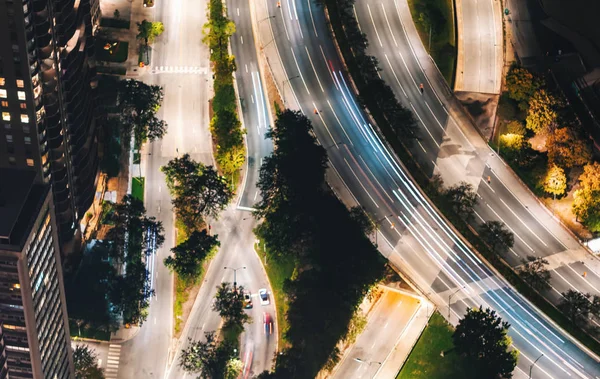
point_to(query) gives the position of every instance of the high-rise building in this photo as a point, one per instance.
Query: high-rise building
(34, 330)
(47, 108)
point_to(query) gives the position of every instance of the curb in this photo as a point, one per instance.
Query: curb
(272, 297)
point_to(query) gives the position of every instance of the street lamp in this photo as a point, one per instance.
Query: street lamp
(367, 362)
(450, 297)
(234, 273)
(283, 86)
(336, 144)
(533, 364)
(377, 223)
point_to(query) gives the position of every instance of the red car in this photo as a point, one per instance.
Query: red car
(268, 323)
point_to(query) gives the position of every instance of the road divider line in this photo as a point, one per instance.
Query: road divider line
(339, 122)
(326, 127)
(395, 76)
(524, 224)
(388, 24)
(359, 182)
(511, 229)
(374, 177)
(374, 26)
(426, 128)
(299, 71)
(313, 67)
(407, 70)
(312, 19)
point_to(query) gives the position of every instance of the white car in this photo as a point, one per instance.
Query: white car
(264, 296)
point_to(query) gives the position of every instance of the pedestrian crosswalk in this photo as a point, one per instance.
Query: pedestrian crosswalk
(179, 70)
(112, 362)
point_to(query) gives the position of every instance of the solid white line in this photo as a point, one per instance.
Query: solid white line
(326, 127)
(295, 11)
(389, 26)
(419, 142)
(407, 70)
(356, 17)
(299, 71)
(374, 177)
(289, 9)
(436, 119)
(374, 26)
(583, 278)
(242, 39)
(487, 184)
(524, 224)
(328, 68)
(313, 67)
(339, 122)
(246, 208)
(311, 17)
(284, 24)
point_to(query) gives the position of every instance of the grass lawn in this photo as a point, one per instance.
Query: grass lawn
(437, 16)
(137, 187)
(425, 361)
(119, 51)
(278, 272)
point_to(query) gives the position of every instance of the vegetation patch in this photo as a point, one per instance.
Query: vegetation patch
(434, 20)
(137, 187)
(111, 51)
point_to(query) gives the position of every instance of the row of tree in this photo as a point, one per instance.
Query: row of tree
(225, 125)
(304, 223)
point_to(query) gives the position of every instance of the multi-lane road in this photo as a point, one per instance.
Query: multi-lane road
(418, 239)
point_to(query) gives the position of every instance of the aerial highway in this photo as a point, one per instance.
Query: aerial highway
(416, 237)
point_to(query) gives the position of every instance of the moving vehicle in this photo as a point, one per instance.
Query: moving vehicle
(264, 296)
(268, 323)
(247, 300)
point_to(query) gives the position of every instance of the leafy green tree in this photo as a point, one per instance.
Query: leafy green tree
(209, 358)
(516, 127)
(497, 236)
(360, 216)
(555, 182)
(576, 306)
(130, 293)
(586, 206)
(521, 85)
(481, 337)
(462, 198)
(229, 302)
(137, 104)
(148, 31)
(542, 115)
(567, 149)
(590, 178)
(189, 255)
(197, 190)
(232, 160)
(86, 363)
(534, 272)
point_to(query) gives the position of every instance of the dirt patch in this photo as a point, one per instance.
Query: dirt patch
(272, 91)
(482, 109)
(186, 307)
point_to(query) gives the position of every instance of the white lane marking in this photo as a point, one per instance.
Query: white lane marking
(426, 128)
(487, 184)
(246, 68)
(395, 76)
(407, 70)
(389, 26)
(374, 177)
(299, 71)
(238, 12)
(326, 127)
(313, 67)
(339, 122)
(359, 182)
(374, 26)
(311, 17)
(583, 278)
(524, 224)
(242, 39)
(419, 142)
(436, 119)
(509, 228)
(295, 11)
(356, 17)
(329, 68)
(289, 10)
(252, 98)
(284, 24)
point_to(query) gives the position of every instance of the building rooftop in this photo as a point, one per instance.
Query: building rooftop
(20, 198)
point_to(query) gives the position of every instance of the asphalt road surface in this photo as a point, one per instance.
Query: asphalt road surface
(417, 238)
(386, 324)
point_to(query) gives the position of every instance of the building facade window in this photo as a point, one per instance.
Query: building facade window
(23, 106)
(21, 95)
(3, 93)
(29, 162)
(20, 83)
(27, 140)
(2, 81)
(24, 119)
(4, 103)
(12, 160)
(9, 138)
(6, 116)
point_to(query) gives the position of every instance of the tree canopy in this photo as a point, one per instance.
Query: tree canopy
(462, 198)
(497, 236)
(86, 363)
(521, 85)
(189, 255)
(567, 149)
(586, 203)
(230, 305)
(577, 306)
(542, 115)
(534, 272)
(137, 105)
(555, 181)
(149, 30)
(482, 337)
(211, 359)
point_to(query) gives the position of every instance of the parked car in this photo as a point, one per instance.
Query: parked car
(268, 323)
(264, 296)
(247, 300)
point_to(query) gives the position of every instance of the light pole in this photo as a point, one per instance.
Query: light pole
(533, 364)
(377, 223)
(288, 81)
(450, 298)
(336, 144)
(367, 362)
(234, 273)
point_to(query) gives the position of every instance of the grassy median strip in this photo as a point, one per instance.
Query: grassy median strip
(434, 20)
(425, 360)
(277, 271)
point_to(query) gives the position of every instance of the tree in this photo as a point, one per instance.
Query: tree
(362, 219)
(481, 336)
(229, 303)
(541, 116)
(555, 182)
(567, 149)
(534, 272)
(586, 203)
(210, 358)
(497, 236)
(190, 254)
(590, 178)
(521, 85)
(137, 104)
(462, 198)
(149, 30)
(130, 293)
(86, 363)
(516, 127)
(576, 306)
(197, 190)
